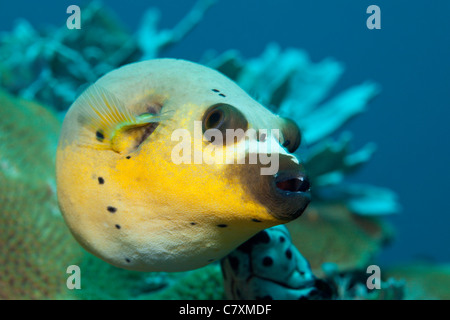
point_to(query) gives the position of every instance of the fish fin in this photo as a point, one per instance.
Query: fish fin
(107, 118)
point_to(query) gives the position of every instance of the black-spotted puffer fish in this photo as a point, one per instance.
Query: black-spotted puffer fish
(133, 195)
(269, 267)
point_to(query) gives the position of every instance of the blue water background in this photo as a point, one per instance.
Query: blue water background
(409, 57)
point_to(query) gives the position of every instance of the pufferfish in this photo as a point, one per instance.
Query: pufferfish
(128, 202)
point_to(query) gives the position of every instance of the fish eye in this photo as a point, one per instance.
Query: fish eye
(222, 117)
(214, 119)
(292, 135)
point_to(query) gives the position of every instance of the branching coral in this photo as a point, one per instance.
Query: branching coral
(50, 66)
(152, 41)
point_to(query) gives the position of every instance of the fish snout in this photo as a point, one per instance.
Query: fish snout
(290, 187)
(285, 193)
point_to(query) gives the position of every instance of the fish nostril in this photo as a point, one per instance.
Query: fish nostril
(292, 135)
(286, 143)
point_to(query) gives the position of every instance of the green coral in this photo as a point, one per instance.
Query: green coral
(202, 284)
(102, 281)
(35, 245)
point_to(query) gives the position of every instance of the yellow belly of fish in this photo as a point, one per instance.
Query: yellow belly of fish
(146, 213)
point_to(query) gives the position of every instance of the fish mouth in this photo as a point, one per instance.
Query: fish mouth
(285, 194)
(291, 189)
(292, 184)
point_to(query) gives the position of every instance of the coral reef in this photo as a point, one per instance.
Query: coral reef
(344, 225)
(202, 284)
(51, 65)
(35, 245)
(351, 285)
(332, 233)
(101, 281)
(427, 281)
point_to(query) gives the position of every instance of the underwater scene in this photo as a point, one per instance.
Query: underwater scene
(224, 150)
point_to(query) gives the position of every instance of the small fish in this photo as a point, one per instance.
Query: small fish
(108, 118)
(125, 198)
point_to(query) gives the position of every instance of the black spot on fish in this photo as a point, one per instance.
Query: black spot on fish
(267, 261)
(117, 226)
(222, 95)
(127, 260)
(262, 137)
(193, 223)
(99, 135)
(288, 254)
(282, 239)
(128, 157)
(215, 90)
(222, 225)
(111, 209)
(256, 220)
(101, 180)
(260, 237)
